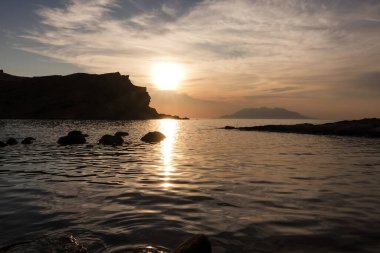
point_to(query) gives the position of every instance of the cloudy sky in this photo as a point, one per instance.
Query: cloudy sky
(317, 57)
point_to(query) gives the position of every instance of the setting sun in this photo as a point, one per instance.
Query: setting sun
(166, 76)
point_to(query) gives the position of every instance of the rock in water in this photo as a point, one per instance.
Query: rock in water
(12, 141)
(111, 140)
(195, 244)
(28, 140)
(2, 144)
(77, 133)
(121, 133)
(73, 137)
(153, 137)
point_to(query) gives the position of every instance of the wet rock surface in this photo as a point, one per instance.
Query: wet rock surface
(153, 137)
(195, 244)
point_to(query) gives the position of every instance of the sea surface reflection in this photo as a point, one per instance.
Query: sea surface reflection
(169, 128)
(248, 191)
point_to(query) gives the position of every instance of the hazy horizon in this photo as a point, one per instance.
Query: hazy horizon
(319, 58)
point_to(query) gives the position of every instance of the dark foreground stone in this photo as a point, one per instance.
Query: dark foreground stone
(195, 244)
(48, 244)
(12, 141)
(73, 137)
(153, 137)
(28, 140)
(360, 128)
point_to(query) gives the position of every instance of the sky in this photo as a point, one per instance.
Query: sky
(320, 58)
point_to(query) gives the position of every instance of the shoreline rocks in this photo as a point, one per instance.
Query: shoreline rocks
(359, 128)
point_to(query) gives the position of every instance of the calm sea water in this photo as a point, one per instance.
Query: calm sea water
(248, 191)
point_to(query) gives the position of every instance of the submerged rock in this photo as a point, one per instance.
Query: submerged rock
(195, 244)
(12, 141)
(229, 127)
(28, 140)
(2, 144)
(73, 137)
(153, 137)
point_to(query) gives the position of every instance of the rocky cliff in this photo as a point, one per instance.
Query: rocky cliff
(77, 96)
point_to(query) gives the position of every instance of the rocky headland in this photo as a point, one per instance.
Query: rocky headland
(361, 128)
(110, 96)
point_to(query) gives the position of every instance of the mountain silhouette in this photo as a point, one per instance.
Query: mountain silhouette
(264, 113)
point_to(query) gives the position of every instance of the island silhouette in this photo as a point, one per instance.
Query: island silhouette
(264, 113)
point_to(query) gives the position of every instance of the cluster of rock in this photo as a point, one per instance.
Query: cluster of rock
(12, 141)
(77, 137)
(360, 128)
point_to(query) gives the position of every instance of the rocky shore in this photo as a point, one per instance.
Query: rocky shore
(109, 96)
(360, 128)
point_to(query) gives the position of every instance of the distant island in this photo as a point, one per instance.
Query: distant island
(264, 113)
(110, 96)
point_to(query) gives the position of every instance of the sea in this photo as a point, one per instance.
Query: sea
(246, 191)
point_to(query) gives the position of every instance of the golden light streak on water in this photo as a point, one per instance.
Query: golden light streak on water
(169, 128)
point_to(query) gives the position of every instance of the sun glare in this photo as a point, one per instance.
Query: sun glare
(166, 76)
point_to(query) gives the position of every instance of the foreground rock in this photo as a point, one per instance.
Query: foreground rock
(153, 137)
(48, 244)
(12, 141)
(196, 244)
(361, 128)
(28, 140)
(73, 137)
(109, 96)
(113, 140)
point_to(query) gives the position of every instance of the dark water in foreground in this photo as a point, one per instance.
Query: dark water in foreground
(248, 191)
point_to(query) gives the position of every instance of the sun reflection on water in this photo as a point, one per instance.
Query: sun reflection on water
(169, 128)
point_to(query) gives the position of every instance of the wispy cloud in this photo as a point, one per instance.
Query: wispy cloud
(242, 47)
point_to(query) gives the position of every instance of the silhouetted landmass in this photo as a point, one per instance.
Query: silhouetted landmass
(78, 96)
(361, 128)
(264, 113)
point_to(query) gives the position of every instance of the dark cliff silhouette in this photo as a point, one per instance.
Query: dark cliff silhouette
(264, 113)
(360, 128)
(78, 96)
